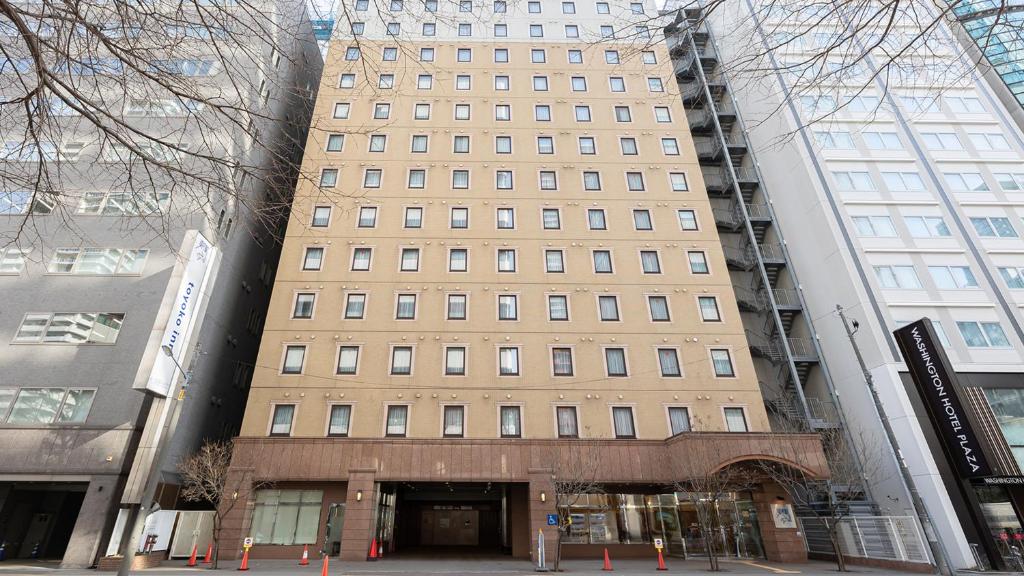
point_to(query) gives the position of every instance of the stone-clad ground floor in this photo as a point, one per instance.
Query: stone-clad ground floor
(452, 496)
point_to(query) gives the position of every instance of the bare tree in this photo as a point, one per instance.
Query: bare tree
(574, 477)
(204, 479)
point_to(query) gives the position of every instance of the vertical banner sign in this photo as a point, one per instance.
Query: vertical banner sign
(182, 317)
(936, 382)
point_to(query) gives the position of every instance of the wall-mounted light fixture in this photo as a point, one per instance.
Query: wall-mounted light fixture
(543, 497)
(359, 495)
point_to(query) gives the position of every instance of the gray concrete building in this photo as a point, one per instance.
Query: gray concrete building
(95, 277)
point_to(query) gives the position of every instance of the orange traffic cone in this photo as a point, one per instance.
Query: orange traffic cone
(661, 561)
(192, 558)
(607, 562)
(208, 559)
(245, 560)
(380, 550)
(373, 551)
(324, 571)
(305, 555)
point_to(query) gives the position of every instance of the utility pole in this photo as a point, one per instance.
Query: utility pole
(136, 522)
(938, 550)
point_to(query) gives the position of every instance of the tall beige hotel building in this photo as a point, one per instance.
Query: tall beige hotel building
(506, 277)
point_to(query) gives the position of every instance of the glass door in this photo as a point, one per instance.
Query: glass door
(332, 535)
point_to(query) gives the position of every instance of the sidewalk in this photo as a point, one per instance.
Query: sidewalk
(422, 567)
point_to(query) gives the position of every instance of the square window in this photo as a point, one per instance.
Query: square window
(540, 83)
(347, 81)
(548, 180)
(607, 32)
(628, 146)
(464, 55)
(587, 145)
(533, 7)
(394, 28)
(465, 5)
(424, 82)
(649, 57)
(572, 31)
(362, 5)
(536, 31)
(430, 5)
(419, 143)
(698, 263)
(508, 307)
(417, 178)
(622, 114)
(596, 219)
(413, 217)
(422, 112)
(554, 261)
(294, 356)
(462, 111)
(426, 54)
(341, 110)
(602, 8)
(501, 83)
(351, 53)
(355, 305)
(582, 113)
(642, 220)
(465, 29)
(575, 57)
(381, 111)
(622, 417)
(537, 56)
(670, 146)
(658, 306)
(462, 82)
(636, 7)
(390, 54)
(558, 307)
(396, 5)
(500, 7)
(678, 181)
(341, 416)
(313, 259)
(542, 113)
(459, 218)
(591, 180)
(367, 217)
(503, 179)
(460, 144)
(410, 260)
(616, 84)
(386, 81)
(506, 218)
(687, 219)
(503, 144)
(545, 145)
(568, 7)
(361, 259)
(405, 307)
(456, 308)
(501, 55)
(281, 424)
(579, 84)
(460, 179)
(662, 114)
(500, 30)
(329, 177)
(611, 56)
(429, 28)
(655, 85)
(348, 360)
(335, 142)
(458, 260)
(378, 142)
(502, 112)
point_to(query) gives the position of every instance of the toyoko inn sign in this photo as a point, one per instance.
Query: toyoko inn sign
(936, 382)
(182, 318)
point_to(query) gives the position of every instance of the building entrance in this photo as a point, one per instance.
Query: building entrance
(37, 518)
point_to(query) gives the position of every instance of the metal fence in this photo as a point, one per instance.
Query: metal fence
(882, 537)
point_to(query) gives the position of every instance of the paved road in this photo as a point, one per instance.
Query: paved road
(430, 567)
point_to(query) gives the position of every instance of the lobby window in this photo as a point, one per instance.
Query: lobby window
(554, 261)
(687, 219)
(551, 218)
(361, 259)
(508, 307)
(458, 260)
(454, 421)
(455, 361)
(281, 425)
(341, 416)
(460, 144)
(561, 361)
(622, 417)
(642, 220)
(708, 306)
(348, 359)
(456, 307)
(658, 305)
(596, 219)
(506, 218)
(558, 308)
(568, 425)
(413, 217)
(303, 305)
(401, 361)
(410, 260)
(649, 262)
(355, 306)
(286, 517)
(615, 362)
(983, 334)
(698, 262)
(321, 216)
(678, 419)
(608, 307)
(1008, 407)
(735, 420)
(294, 357)
(397, 421)
(508, 361)
(506, 260)
(668, 363)
(405, 307)
(511, 422)
(602, 261)
(46, 405)
(367, 217)
(721, 361)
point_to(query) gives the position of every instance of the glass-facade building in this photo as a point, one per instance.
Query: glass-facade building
(996, 27)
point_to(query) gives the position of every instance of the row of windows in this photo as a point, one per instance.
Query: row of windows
(457, 304)
(945, 277)
(540, 83)
(911, 181)
(500, 30)
(510, 420)
(69, 328)
(91, 203)
(503, 179)
(888, 140)
(506, 260)
(975, 333)
(460, 144)
(820, 105)
(505, 218)
(80, 261)
(933, 226)
(502, 112)
(497, 6)
(28, 406)
(500, 55)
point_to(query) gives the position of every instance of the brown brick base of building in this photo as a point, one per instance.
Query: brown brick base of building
(140, 562)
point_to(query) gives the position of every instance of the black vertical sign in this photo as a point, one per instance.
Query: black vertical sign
(936, 382)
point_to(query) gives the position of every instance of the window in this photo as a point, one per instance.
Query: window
(401, 360)
(591, 180)
(622, 114)
(989, 141)
(424, 82)
(558, 307)
(649, 57)
(1014, 277)
(607, 32)
(545, 145)
(503, 179)
(698, 262)
(352, 53)
(458, 260)
(568, 425)
(964, 104)
(500, 7)
(649, 262)
(455, 361)
(735, 420)
(561, 359)
(678, 419)
(540, 83)
(460, 144)
(46, 405)
(355, 305)
(362, 5)
(1007, 406)
(993, 227)
(596, 219)
(410, 260)
(286, 516)
(501, 83)
(303, 305)
(602, 262)
(281, 425)
(721, 362)
(386, 81)
(462, 111)
(941, 141)
(506, 260)
(511, 422)
(983, 334)
(903, 181)
(329, 177)
(454, 421)
(876, 226)
(966, 182)
(678, 181)
(636, 7)
(426, 54)
(348, 359)
(390, 54)
(338, 425)
(502, 144)
(347, 81)
(628, 146)
(587, 145)
(578, 83)
(687, 219)
(501, 55)
(460, 179)
(582, 113)
(456, 307)
(335, 142)
(506, 218)
(575, 56)
(463, 82)
(293, 359)
(80, 261)
(422, 112)
(460, 218)
(413, 217)
(508, 361)
(465, 29)
(429, 28)
(897, 277)
(668, 362)
(551, 218)
(378, 142)
(502, 112)
(341, 110)
(926, 226)
(538, 56)
(953, 277)
(608, 308)
(1010, 182)
(602, 8)
(508, 307)
(670, 147)
(419, 143)
(321, 216)
(398, 418)
(857, 181)
(361, 259)
(642, 220)
(655, 85)
(622, 418)
(367, 217)
(880, 140)
(572, 31)
(554, 261)
(464, 55)
(616, 84)
(658, 306)
(542, 113)
(500, 30)
(405, 308)
(536, 31)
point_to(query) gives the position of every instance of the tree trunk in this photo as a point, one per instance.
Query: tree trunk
(558, 549)
(833, 535)
(216, 541)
